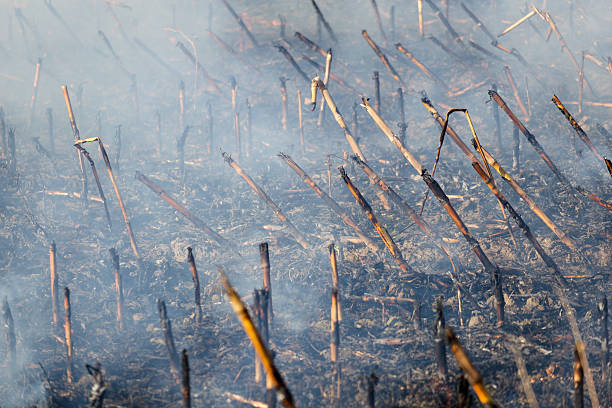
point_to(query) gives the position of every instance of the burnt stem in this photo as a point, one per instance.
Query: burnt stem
(440, 345)
(185, 381)
(383, 58)
(211, 81)
(9, 334)
(378, 19)
(98, 184)
(233, 52)
(322, 19)
(98, 388)
(196, 285)
(294, 64)
(515, 92)
(68, 334)
(241, 24)
(446, 24)
(372, 381)
(118, 286)
(384, 234)
(264, 255)
(376, 80)
(166, 328)
(498, 134)
(516, 150)
(76, 135)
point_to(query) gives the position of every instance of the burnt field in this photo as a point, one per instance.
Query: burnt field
(387, 187)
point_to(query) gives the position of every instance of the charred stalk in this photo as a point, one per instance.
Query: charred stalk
(310, 44)
(98, 388)
(378, 20)
(232, 51)
(472, 374)
(420, 65)
(498, 132)
(294, 64)
(222, 242)
(445, 22)
(343, 214)
(68, 334)
(579, 131)
(166, 327)
(336, 79)
(603, 319)
(322, 19)
(516, 144)
(265, 271)
(76, 135)
(384, 235)
(185, 382)
(578, 380)
(383, 58)
(118, 286)
(372, 381)
(212, 82)
(517, 97)
(376, 79)
(276, 381)
(241, 24)
(95, 174)
(297, 235)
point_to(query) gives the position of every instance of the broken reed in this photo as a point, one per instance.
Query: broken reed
(196, 285)
(264, 256)
(95, 173)
(222, 242)
(118, 286)
(502, 172)
(54, 286)
(384, 234)
(297, 234)
(166, 327)
(342, 213)
(273, 375)
(432, 184)
(472, 374)
(68, 334)
(76, 135)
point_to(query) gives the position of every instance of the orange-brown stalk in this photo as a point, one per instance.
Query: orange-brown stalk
(53, 273)
(276, 380)
(382, 231)
(383, 58)
(76, 135)
(95, 173)
(297, 235)
(473, 375)
(515, 92)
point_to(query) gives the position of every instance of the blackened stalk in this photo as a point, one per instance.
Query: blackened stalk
(233, 51)
(291, 60)
(241, 23)
(166, 327)
(196, 285)
(312, 45)
(324, 21)
(603, 318)
(54, 286)
(342, 213)
(579, 131)
(284, 107)
(383, 58)
(211, 81)
(378, 20)
(95, 174)
(185, 381)
(118, 286)
(439, 338)
(222, 242)
(495, 109)
(68, 334)
(445, 22)
(515, 92)
(9, 325)
(420, 65)
(264, 255)
(297, 235)
(98, 388)
(376, 79)
(381, 230)
(372, 380)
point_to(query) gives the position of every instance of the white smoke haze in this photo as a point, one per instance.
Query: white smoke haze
(135, 85)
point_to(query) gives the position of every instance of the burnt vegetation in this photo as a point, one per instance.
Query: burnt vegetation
(305, 203)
